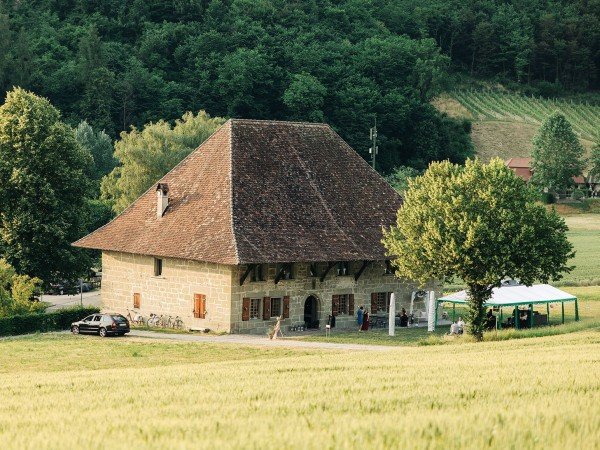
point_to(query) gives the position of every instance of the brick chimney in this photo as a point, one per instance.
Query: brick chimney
(162, 199)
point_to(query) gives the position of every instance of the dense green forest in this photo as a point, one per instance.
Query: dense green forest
(130, 62)
(135, 85)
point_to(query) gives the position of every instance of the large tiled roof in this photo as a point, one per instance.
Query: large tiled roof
(257, 192)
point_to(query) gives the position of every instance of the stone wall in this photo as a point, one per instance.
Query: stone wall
(303, 285)
(172, 293)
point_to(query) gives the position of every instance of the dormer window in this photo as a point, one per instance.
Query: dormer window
(257, 274)
(388, 268)
(285, 271)
(343, 268)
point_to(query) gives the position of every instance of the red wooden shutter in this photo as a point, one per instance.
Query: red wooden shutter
(137, 300)
(245, 308)
(266, 308)
(351, 304)
(335, 305)
(200, 306)
(196, 306)
(286, 307)
(373, 302)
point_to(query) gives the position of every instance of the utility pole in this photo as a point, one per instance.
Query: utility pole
(373, 136)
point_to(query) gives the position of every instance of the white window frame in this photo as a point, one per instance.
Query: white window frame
(258, 308)
(279, 312)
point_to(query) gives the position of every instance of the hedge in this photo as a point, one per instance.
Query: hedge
(54, 321)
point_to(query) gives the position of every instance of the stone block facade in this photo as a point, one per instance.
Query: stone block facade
(303, 285)
(172, 292)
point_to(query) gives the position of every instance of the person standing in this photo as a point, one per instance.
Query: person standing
(365, 325)
(360, 317)
(403, 318)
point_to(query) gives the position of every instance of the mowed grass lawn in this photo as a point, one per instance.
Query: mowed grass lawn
(589, 314)
(62, 391)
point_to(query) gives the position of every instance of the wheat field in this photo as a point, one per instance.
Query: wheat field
(61, 391)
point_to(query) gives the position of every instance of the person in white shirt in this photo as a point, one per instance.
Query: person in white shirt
(454, 328)
(461, 325)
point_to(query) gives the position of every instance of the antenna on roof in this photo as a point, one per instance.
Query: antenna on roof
(374, 149)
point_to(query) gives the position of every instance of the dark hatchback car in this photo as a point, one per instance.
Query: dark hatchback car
(102, 324)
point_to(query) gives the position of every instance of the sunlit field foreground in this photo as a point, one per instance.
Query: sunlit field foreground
(60, 391)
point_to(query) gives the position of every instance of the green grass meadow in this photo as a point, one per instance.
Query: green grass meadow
(584, 234)
(519, 389)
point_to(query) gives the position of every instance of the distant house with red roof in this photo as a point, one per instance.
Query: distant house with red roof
(522, 167)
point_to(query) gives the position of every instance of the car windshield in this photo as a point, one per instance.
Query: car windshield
(119, 319)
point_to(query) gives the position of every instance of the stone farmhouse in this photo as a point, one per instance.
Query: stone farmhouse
(264, 219)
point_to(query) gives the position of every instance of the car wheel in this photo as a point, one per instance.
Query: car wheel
(75, 329)
(102, 332)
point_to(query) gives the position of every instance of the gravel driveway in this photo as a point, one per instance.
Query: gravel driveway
(259, 341)
(66, 301)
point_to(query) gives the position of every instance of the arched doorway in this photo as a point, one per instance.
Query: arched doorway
(311, 312)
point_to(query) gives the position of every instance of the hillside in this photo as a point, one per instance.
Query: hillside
(504, 123)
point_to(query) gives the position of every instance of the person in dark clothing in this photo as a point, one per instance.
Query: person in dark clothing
(490, 320)
(403, 318)
(331, 321)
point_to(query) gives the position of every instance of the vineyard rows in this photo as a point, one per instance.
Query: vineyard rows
(503, 106)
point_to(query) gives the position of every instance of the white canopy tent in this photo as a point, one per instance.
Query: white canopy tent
(519, 295)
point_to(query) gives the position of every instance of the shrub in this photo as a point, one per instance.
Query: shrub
(578, 194)
(548, 198)
(32, 323)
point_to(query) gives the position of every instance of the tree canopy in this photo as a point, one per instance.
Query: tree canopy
(595, 160)
(479, 223)
(16, 292)
(557, 155)
(100, 146)
(42, 168)
(123, 64)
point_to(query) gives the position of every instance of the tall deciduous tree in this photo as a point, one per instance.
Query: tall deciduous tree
(100, 146)
(480, 223)
(595, 161)
(557, 155)
(146, 155)
(42, 172)
(305, 98)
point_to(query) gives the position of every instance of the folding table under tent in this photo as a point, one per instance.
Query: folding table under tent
(516, 296)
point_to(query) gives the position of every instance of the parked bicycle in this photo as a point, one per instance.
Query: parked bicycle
(154, 320)
(178, 323)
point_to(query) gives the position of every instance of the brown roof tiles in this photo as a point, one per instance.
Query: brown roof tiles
(257, 192)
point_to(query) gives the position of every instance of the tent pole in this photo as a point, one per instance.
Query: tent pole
(531, 315)
(516, 317)
(576, 311)
(500, 322)
(547, 313)
(562, 304)
(453, 312)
